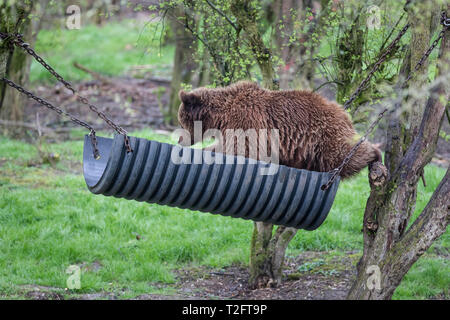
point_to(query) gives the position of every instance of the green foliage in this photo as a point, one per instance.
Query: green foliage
(222, 46)
(428, 278)
(351, 47)
(444, 135)
(231, 57)
(308, 266)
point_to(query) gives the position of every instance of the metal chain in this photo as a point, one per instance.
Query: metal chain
(17, 40)
(445, 25)
(374, 69)
(445, 21)
(57, 110)
(337, 171)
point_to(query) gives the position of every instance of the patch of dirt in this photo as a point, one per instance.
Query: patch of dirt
(164, 297)
(308, 276)
(129, 102)
(36, 292)
(321, 277)
(43, 295)
(441, 296)
(98, 296)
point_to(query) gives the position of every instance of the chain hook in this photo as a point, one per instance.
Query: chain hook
(445, 21)
(94, 144)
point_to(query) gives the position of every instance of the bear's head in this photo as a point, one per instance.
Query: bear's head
(216, 108)
(196, 105)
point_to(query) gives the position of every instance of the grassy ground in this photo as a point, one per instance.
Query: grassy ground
(49, 221)
(110, 50)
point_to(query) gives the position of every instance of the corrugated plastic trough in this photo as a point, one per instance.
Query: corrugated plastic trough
(189, 178)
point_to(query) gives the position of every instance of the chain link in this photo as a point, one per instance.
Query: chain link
(445, 21)
(335, 172)
(425, 55)
(17, 40)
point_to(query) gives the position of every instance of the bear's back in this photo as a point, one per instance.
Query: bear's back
(300, 109)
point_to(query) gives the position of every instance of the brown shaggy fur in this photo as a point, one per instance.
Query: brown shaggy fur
(315, 134)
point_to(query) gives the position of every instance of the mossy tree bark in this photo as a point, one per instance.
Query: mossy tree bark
(267, 250)
(267, 253)
(184, 64)
(390, 248)
(246, 16)
(14, 63)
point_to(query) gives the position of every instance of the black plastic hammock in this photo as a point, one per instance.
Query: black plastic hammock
(231, 185)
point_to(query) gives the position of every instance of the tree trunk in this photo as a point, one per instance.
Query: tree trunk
(284, 30)
(420, 20)
(267, 250)
(299, 67)
(267, 254)
(14, 63)
(390, 249)
(184, 64)
(204, 75)
(246, 15)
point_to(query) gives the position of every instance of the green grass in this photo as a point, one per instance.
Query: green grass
(429, 277)
(110, 50)
(49, 221)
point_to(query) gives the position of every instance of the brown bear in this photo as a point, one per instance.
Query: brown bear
(315, 133)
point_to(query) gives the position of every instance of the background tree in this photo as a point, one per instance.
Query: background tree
(298, 27)
(184, 65)
(390, 246)
(358, 36)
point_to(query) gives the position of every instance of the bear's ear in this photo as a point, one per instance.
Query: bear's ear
(190, 100)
